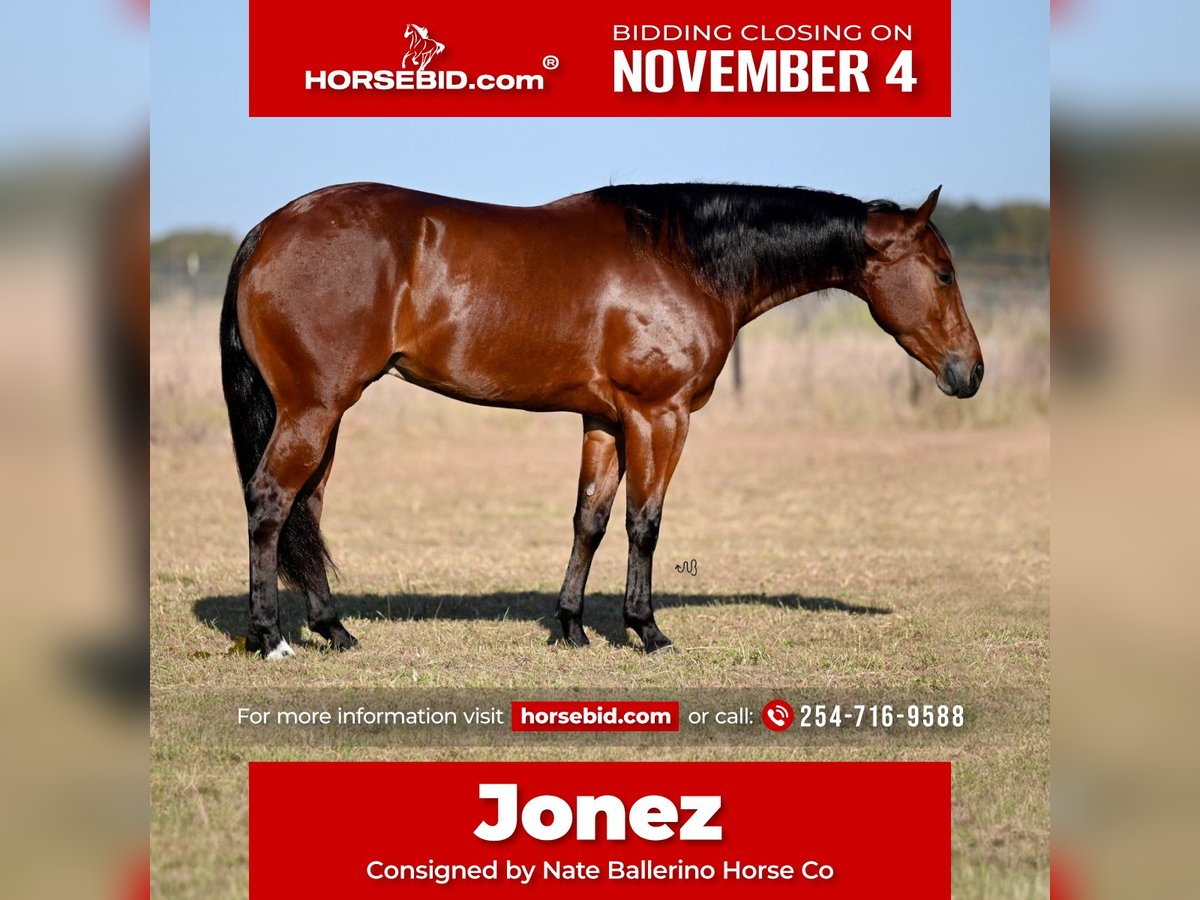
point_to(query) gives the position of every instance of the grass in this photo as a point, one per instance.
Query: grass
(904, 555)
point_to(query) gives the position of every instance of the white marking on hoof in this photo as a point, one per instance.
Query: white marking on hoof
(283, 651)
(591, 489)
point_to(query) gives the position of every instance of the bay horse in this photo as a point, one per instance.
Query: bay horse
(619, 304)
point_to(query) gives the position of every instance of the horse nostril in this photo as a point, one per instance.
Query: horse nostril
(977, 375)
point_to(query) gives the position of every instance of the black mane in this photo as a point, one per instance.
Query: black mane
(738, 238)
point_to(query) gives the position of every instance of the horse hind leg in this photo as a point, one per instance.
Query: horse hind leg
(285, 541)
(322, 611)
(600, 474)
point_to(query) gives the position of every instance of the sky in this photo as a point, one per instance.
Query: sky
(1116, 62)
(75, 75)
(214, 167)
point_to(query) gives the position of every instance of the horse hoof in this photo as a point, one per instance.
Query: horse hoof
(573, 636)
(342, 640)
(282, 651)
(334, 632)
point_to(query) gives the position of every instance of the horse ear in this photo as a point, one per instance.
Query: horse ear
(885, 232)
(890, 233)
(927, 208)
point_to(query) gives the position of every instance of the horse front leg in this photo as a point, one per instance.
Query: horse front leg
(654, 440)
(600, 474)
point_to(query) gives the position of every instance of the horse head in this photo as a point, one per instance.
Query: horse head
(912, 290)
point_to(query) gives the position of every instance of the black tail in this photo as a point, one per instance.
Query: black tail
(302, 555)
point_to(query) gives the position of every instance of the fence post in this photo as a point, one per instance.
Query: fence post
(737, 367)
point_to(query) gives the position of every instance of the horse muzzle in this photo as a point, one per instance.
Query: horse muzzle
(960, 378)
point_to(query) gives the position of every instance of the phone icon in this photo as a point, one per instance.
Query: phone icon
(778, 715)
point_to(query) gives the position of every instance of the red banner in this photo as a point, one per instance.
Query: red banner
(700, 58)
(695, 830)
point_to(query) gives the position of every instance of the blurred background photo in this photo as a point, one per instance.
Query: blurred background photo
(451, 523)
(1126, 179)
(74, 265)
(74, 207)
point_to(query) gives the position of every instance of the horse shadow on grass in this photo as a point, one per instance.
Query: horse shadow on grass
(229, 613)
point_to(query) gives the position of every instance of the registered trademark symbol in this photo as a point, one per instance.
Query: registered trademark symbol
(550, 62)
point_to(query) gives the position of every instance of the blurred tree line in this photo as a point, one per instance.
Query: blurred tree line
(1015, 235)
(191, 265)
(1012, 239)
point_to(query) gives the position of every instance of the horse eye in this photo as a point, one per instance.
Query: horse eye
(945, 277)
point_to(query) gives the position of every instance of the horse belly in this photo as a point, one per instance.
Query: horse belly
(485, 360)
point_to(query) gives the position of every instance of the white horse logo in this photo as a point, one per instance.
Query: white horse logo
(421, 47)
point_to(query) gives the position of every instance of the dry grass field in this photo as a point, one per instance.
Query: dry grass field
(857, 536)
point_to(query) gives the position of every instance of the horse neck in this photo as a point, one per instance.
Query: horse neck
(751, 307)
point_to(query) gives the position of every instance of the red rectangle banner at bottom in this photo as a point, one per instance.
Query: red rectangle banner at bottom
(722, 829)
